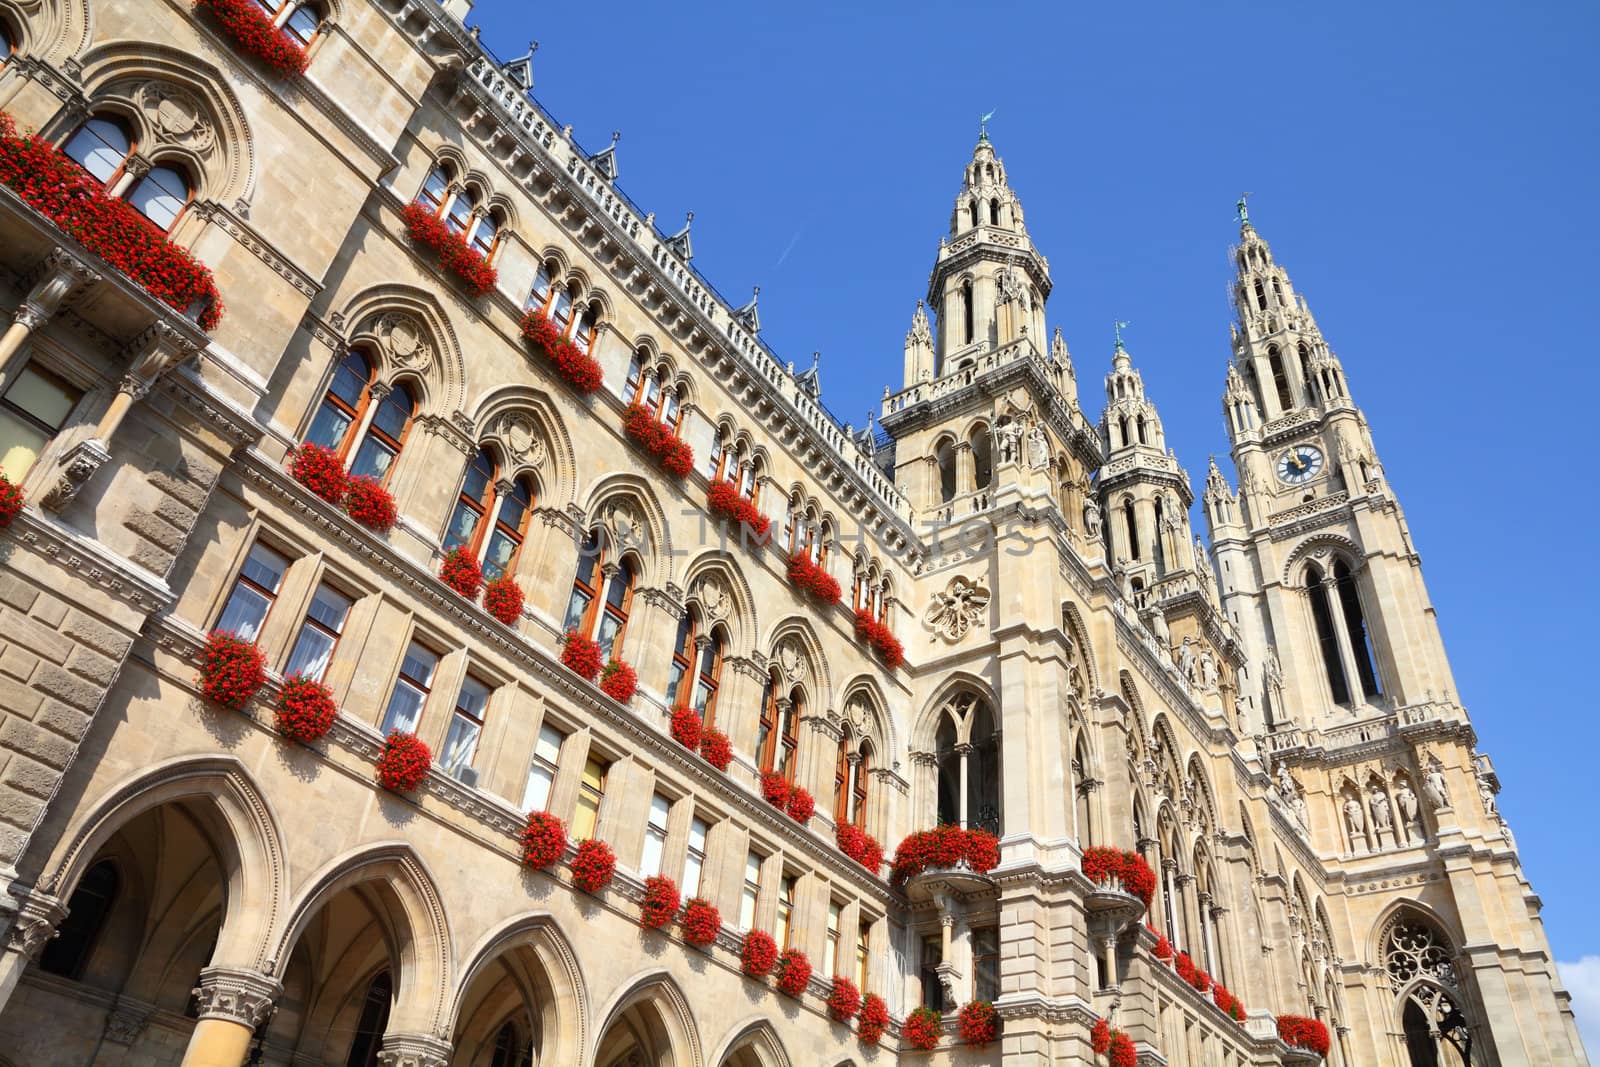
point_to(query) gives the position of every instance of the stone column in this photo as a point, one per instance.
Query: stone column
(232, 1004)
(62, 276)
(31, 928)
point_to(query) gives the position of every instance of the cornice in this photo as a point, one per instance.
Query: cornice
(250, 239)
(92, 561)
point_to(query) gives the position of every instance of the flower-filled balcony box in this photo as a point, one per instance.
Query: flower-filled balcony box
(544, 838)
(618, 681)
(231, 669)
(979, 1023)
(456, 257)
(403, 764)
(669, 451)
(460, 571)
(812, 580)
(844, 999)
(1116, 873)
(874, 1019)
(305, 710)
(794, 972)
(701, 922)
(503, 599)
(660, 902)
(961, 855)
(576, 368)
(251, 30)
(758, 954)
(11, 501)
(724, 501)
(370, 504)
(860, 846)
(876, 636)
(923, 1028)
(716, 749)
(581, 655)
(1309, 1035)
(112, 229)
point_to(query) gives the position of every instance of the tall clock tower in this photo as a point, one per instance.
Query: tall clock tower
(1315, 561)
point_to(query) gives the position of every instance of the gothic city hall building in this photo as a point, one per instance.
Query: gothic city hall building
(436, 629)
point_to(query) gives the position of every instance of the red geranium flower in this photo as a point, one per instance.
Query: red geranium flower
(502, 598)
(878, 637)
(1122, 1053)
(775, 789)
(812, 580)
(716, 748)
(701, 922)
(1118, 869)
(759, 953)
(1100, 1037)
(593, 866)
(724, 500)
(979, 1024)
(686, 727)
(231, 669)
(923, 1028)
(403, 764)
(665, 447)
(874, 1019)
(11, 501)
(252, 30)
(305, 709)
(945, 847)
(801, 805)
(369, 503)
(319, 470)
(844, 999)
(618, 681)
(1185, 967)
(460, 571)
(577, 369)
(1301, 1032)
(581, 655)
(455, 255)
(543, 840)
(660, 902)
(794, 972)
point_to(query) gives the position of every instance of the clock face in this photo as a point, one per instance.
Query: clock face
(1299, 464)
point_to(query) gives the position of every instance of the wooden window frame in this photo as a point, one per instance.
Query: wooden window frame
(785, 923)
(860, 792)
(698, 856)
(863, 953)
(517, 535)
(841, 782)
(269, 595)
(122, 167)
(188, 195)
(356, 414)
(538, 762)
(751, 890)
(383, 436)
(585, 791)
(307, 621)
(478, 720)
(402, 678)
(833, 938)
(480, 508)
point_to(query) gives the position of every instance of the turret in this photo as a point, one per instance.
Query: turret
(919, 348)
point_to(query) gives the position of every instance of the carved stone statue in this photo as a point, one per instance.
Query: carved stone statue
(1091, 518)
(1487, 794)
(1157, 624)
(1010, 437)
(1186, 660)
(1038, 449)
(1355, 821)
(1407, 801)
(1433, 788)
(1380, 809)
(1301, 811)
(1202, 562)
(1208, 671)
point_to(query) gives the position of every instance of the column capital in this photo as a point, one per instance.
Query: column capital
(236, 995)
(414, 1050)
(38, 915)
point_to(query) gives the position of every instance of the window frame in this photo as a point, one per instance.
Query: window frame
(306, 621)
(270, 596)
(649, 866)
(372, 431)
(28, 418)
(517, 536)
(480, 509)
(586, 809)
(696, 857)
(478, 722)
(402, 678)
(549, 767)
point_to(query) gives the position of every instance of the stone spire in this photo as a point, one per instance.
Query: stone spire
(919, 347)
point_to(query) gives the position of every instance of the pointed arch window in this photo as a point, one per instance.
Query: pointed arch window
(475, 501)
(103, 147)
(543, 287)
(458, 215)
(1304, 356)
(67, 954)
(509, 1050)
(945, 453)
(295, 19)
(373, 1022)
(1261, 296)
(696, 670)
(436, 188)
(1327, 640)
(860, 778)
(778, 735)
(972, 212)
(1159, 540)
(385, 436)
(994, 212)
(1355, 625)
(561, 308)
(583, 333)
(968, 329)
(604, 618)
(1130, 520)
(1280, 379)
(967, 756)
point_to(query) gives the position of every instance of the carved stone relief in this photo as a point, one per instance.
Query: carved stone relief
(176, 117)
(958, 609)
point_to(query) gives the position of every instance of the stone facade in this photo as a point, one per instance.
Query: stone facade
(1270, 720)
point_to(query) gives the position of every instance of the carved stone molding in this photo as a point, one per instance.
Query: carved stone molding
(38, 915)
(414, 1050)
(239, 996)
(74, 471)
(127, 1021)
(956, 611)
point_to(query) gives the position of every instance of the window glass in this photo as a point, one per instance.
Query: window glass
(302, 25)
(461, 213)
(31, 413)
(830, 949)
(483, 237)
(319, 632)
(100, 146)
(590, 794)
(752, 891)
(655, 836)
(561, 310)
(410, 690)
(986, 961)
(465, 727)
(863, 955)
(540, 293)
(785, 909)
(160, 195)
(542, 772)
(696, 859)
(436, 188)
(253, 592)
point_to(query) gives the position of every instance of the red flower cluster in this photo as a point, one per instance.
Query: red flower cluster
(305, 709)
(686, 727)
(716, 748)
(701, 921)
(460, 571)
(112, 229)
(1127, 869)
(11, 501)
(812, 580)
(1185, 967)
(319, 470)
(794, 972)
(231, 669)
(543, 840)
(844, 999)
(759, 953)
(775, 789)
(252, 30)
(660, 902)
(923, 1028)
(665, 447)
(581, 655)
(1228, 1002)
(1122, 1053)
(369, 503)
(1163, 947)
(577, 369)
(502, 598)
(947, 846)
(860, 846)
(1300, 1032)
(874, 1019)
(1100, 1037)
(618, 681)
(403, 764)
(455, 255)
(979, 1023)
(877, 635)
(593, 866)
(724, 501)
(801, 805)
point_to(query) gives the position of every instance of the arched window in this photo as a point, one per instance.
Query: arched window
(1160, 539)
(1261, 296)
(472, 504)
(385, 435)
(161, 195)
(343, 404)
(509, 1051)
(946, 457)
(458, 215)
(779, 733)
(1305, 372)
(982, 465)
(1139, 425)
(544, 281)
(968, 330)
(972, 211)
(1122, 426)
(583, 332)
(1254, 382)
(373, 1022)
(841, 782)
(696, 670)
(510, 528)
(994, 212)
(605, 619)
(1080, 785)
(485, 233)
(67, 954)
(1130, 521)
(967, 755)
(1277, 290)
(8, 43)
(103, 147)
(1420, 962)
(1355, 626)
(561, 307)
(1280, 379)
(1327, 639)
(860, 778)
(295, 19)
(436, 187)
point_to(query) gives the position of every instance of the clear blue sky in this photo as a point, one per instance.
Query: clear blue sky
(1426, 172)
